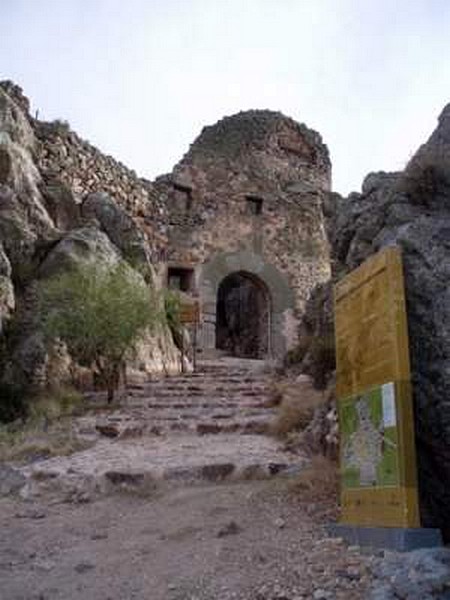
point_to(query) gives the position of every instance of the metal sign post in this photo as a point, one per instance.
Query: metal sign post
(190, 315)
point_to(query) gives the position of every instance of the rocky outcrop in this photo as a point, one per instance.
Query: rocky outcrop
(43, 232)
(119, 226)
(412, 210)
(23, 218)
(60, 204)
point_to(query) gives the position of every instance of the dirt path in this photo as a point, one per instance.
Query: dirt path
(219, 542)
(182, 497)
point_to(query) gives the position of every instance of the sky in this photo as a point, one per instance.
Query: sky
(140, 78)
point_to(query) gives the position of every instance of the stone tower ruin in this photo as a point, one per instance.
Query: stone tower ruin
(245, 232)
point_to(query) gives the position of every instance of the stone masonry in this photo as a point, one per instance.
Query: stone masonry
(247, 198)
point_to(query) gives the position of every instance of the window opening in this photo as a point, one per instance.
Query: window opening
(181, 279)
(183, 197)
(254, 205)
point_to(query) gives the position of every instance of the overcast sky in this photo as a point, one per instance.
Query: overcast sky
(140, 78)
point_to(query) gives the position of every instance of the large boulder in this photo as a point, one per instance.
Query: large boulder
(60, 204)
(410, 209)
(87, 245)
(120, 227)
(24, 219)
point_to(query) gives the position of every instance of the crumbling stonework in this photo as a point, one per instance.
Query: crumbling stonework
(63, 155)
(247, 196)
(250, 191)
(246, 199)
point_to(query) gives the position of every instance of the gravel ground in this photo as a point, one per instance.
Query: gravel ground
(249, 540)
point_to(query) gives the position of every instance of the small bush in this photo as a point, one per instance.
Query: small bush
(38, 440)
(172, 307)
(58, 127)
(296, 410)
(46, 431)
(276, 393)
(319, 481)
(99, 314)
(55, 404)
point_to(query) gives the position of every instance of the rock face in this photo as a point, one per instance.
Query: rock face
(246, 199)
(410, 209)
(7, 301)
(120, 227)
(44, 231)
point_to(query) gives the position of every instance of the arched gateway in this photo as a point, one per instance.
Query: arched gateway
(247, 305)
(243, 316)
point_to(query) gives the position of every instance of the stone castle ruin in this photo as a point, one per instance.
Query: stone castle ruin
(246, 227)
(237, 226)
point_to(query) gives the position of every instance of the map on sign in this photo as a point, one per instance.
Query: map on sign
(369, 438)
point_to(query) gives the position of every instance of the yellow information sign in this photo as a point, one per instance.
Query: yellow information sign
(377, 455)
(190, 313)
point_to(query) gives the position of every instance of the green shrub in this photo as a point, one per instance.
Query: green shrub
(99, 314)
(55, 403)
(172, 307)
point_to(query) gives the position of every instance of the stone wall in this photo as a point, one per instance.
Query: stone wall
(63, 155)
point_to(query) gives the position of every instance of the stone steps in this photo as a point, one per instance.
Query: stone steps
(203, 427)
(216, 399)
(174, 460)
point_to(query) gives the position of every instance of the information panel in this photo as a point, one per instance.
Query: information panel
(377, 453)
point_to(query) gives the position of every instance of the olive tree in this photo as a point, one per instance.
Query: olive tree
(99, 313)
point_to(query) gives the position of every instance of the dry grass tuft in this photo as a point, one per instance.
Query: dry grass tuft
(298, 401)
(57, 403)
(276, 393)
(36, 441)
(48, 430)
(318, 482)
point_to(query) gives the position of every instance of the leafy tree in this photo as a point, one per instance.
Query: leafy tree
(99, 313)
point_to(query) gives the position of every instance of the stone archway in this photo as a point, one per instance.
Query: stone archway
(277, 289)
(243, 316)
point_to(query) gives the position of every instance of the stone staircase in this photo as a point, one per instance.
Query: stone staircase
(219, 398)
(207, 426)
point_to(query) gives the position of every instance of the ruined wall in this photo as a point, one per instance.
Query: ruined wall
(62, 155)
(250, 186)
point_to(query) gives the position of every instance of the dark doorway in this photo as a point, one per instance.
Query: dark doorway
(242, 317)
